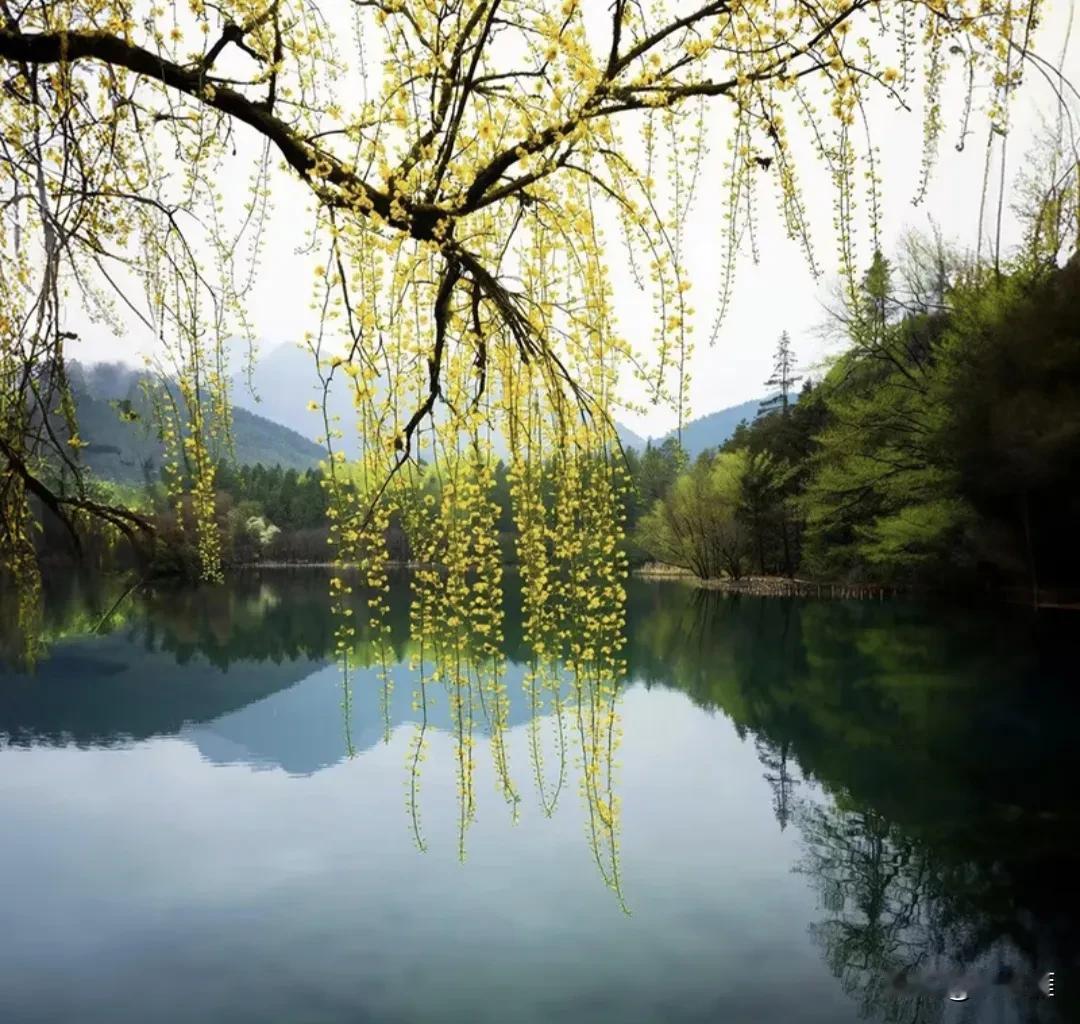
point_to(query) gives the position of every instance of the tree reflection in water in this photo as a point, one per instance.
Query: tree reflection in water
(907, 932)
(886, 919)
(457, 679)
(923, 755)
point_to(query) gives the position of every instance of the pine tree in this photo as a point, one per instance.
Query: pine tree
(774, 758)
(783, 377)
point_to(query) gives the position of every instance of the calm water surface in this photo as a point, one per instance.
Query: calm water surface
(830, 811)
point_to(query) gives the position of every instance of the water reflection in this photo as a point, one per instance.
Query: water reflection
(204, 663)
(945, 852)
(921, 758)
(908, 933)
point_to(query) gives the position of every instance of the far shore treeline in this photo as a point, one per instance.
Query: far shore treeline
(941, 449)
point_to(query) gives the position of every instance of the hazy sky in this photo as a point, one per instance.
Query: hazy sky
(777, 294)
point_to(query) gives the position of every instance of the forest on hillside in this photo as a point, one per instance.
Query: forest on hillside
(941, 448)
(120, 413)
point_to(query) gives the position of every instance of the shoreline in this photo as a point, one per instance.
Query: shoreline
(772, 586)
(1050, 598)
(759, 586)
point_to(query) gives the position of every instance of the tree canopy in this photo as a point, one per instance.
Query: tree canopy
(939, 449)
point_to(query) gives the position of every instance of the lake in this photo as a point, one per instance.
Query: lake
(828, 811)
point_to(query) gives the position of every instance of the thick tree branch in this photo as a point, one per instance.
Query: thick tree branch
(309, 161)
(123, 519)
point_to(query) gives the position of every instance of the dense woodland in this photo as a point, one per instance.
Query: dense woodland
(486, 176)
(941, 448)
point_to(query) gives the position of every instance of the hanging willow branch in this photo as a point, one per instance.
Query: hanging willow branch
(462, 158)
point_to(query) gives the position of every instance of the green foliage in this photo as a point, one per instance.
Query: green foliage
(941, 448)
(878, 476)
(697, 525)
(287, 499)
(915, 534)
(952, 437)
(652, 474)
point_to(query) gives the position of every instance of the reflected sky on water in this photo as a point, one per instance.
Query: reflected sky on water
(830, 811)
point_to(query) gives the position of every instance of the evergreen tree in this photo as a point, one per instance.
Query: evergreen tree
(783, 377)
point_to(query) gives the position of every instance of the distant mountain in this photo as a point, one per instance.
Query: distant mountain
(283, 382)
(709, 431)
(275, 711)
(271, 420)
(128, 449)
(301, 729)
(627, 438)
(713, 430)
(122, 688)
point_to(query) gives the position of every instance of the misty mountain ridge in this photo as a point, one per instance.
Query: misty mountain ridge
(271, 420)
(273, 390)
(116, 423)
(712, 429)
(279, 396)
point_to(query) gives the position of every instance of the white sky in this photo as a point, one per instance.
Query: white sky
(777, 294)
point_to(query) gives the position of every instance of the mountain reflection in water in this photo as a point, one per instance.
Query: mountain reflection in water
(920, 760)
